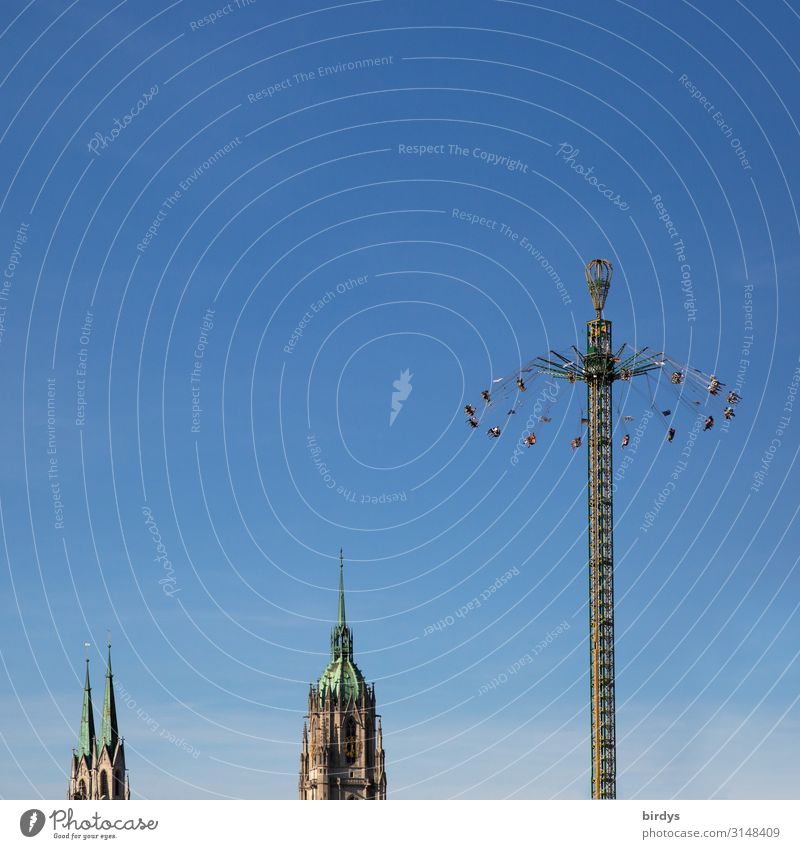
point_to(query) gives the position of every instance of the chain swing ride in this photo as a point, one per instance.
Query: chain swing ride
(599, 368)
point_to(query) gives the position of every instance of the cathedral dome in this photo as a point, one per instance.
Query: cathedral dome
(341, 678)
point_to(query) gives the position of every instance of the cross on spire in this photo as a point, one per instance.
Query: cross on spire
(341, 620)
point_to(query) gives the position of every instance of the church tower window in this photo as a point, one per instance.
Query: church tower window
(351, 740)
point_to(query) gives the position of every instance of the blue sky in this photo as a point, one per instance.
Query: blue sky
(249, 188)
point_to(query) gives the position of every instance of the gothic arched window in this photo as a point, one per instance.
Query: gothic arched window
(104, 785)
(82, 790)
(351, 740)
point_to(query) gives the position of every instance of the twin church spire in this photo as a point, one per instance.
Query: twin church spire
(86, 736)
(98, 764)
(109, 733)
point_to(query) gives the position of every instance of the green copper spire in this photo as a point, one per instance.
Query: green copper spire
(341, 635)
(108, 728)
(86, 736)
(341, 621)
(341, 678)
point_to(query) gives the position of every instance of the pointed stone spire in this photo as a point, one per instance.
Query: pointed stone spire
(86, 736)
(108, 728)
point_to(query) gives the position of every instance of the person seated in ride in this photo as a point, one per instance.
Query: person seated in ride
(530, 439)
(709, 423)
(677, 377)
(520, 384)
(576, 443)
(469, 409)
(625, 440)
(671, 434)
(472, 421)
(494, 432)
(486, 396)
(733, 398)
(728, 413)
(626, 374)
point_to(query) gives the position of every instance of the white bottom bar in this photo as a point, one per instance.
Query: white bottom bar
(410, 825)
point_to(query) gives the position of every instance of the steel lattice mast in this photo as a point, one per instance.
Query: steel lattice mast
(600, 374)
(599, 367)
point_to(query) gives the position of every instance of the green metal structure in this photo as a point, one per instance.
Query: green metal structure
(341, 677)
(599, 367)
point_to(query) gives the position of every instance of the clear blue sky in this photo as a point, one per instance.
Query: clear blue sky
(244, 178)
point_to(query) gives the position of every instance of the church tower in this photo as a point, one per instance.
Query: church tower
(98, 766)
(342, 755)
